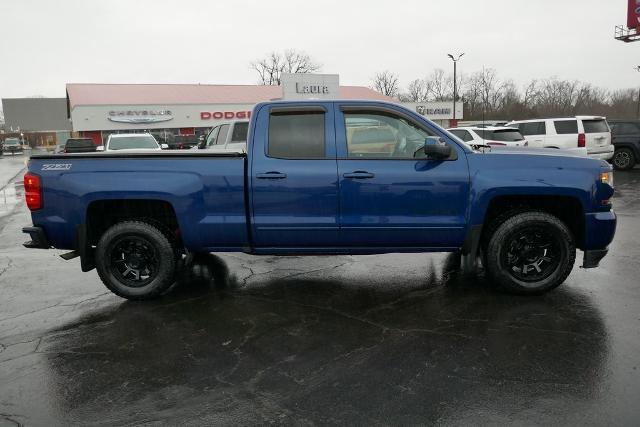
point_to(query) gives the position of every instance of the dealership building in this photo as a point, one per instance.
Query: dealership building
(177, 111)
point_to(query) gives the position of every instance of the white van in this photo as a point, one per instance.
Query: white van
(589, 132)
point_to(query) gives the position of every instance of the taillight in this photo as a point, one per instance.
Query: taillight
(33, 191)
(582, 140)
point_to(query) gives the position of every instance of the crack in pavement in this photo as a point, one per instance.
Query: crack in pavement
(7, 417)
(9, 265)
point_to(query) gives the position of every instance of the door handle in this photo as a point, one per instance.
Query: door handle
(359, 175)
(271, 175)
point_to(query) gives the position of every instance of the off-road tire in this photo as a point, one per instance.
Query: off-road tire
(623, 159)
(164, 250)
(500, 237)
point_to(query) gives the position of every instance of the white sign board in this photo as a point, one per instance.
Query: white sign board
(310, 86)
(436, 110)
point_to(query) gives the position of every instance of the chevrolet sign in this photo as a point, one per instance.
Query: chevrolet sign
(140, 116)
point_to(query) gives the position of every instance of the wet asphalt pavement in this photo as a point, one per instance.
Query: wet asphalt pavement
(388, 339)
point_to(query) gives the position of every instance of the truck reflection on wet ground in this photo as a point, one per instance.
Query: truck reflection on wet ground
(303, 350)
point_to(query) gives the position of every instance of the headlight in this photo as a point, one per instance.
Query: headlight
(607, 178)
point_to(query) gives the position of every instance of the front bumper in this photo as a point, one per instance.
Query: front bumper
(600, 228)
(38, 238)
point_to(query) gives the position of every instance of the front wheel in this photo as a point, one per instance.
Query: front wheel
(136, 260)
(530, 253)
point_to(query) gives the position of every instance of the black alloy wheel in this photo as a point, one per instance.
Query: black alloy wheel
(623, 159)
(136, 260)
(529, 252)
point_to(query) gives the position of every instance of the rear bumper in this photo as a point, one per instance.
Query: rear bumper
(38, 238)
(606, 154)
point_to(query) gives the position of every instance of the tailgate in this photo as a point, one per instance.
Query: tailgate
(597, 134)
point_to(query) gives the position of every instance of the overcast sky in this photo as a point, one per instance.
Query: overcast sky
(45, 44)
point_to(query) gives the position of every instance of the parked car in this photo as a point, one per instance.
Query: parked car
(303, 187)
(626, 140)
(226, 136)
(132, 142)
(581, 133)
(183, 142)
(491, 135)
(12, 145)
(76, 145)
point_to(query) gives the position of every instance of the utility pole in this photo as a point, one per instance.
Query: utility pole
(455, 82)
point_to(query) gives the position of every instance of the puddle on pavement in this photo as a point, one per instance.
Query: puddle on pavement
(10, 195)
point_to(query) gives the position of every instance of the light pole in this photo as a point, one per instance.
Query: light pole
(455, 81)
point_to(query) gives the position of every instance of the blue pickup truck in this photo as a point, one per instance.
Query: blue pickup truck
(324, 177)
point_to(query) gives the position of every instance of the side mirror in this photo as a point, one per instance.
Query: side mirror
(436, 148)
(164, 146)
(100, 148)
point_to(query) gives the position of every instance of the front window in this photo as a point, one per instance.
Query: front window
(133, 142)
(383, 135)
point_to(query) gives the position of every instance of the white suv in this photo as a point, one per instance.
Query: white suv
(589, 133)
(477, 136)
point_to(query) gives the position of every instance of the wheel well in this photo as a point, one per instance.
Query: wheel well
(567, 209)
(102, 214)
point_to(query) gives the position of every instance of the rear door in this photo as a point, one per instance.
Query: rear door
(294, 185)
(391, 195)
(534, 132)
(597, 134)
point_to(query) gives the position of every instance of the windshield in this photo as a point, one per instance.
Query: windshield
(132, 142)
(502, 135)
(11, 141)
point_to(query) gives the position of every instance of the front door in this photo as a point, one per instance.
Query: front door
(390, 194)
(294, 183)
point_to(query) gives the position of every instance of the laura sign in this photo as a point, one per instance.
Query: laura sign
(633, 14)
(226, 115)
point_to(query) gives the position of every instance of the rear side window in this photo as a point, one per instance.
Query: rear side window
(533, 128)
(296, 135)
(222, 135)
(595, 126)
(240, 132)
(501, 135)
(566, 127)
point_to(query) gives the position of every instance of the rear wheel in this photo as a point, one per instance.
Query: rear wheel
(530, 253)
(136, 260)
(624, 159)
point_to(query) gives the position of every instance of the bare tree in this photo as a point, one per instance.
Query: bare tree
(440, 85)
(418, 91)
(386, 83)
(271, 68)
